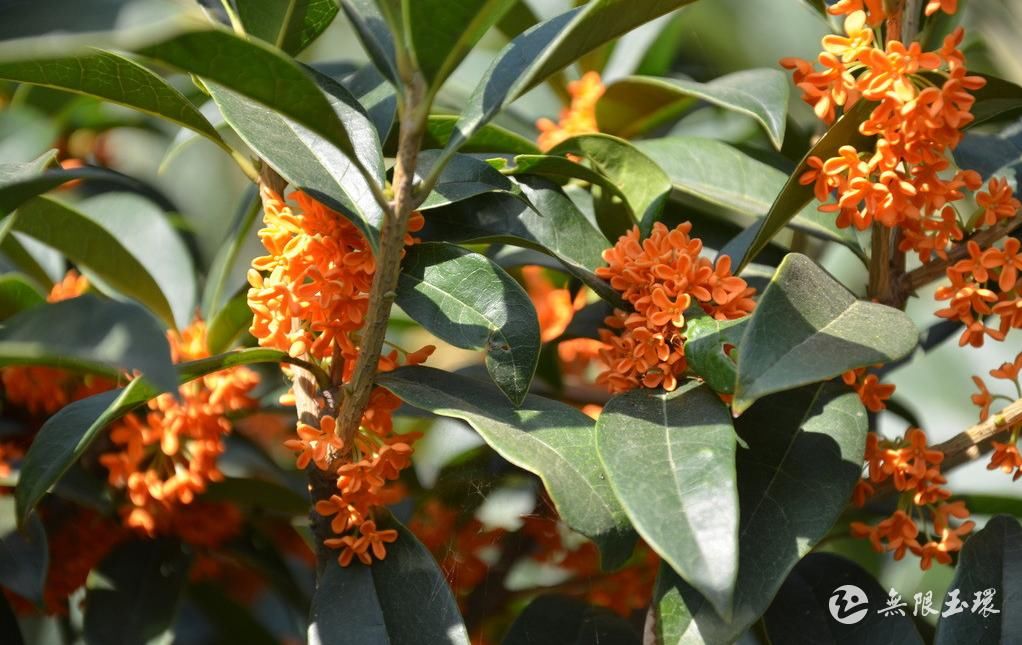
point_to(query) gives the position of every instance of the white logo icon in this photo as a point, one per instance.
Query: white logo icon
(848, 604)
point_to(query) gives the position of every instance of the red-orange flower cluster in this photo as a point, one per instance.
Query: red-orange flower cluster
(168, 455)
(983, 285)
(871, 391)
(662, 277)
(1006, 457)
(914, 470)
(578, 118)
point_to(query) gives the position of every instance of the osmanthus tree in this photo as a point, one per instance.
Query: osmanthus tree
(195, 454)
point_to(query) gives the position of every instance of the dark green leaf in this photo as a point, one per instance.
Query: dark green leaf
(463, 177)
(794, 196)
(807, 328)
(375, 35)
(442, 32)
(17, 293)
(636, 104)
(552, 225)
(9, 626)
(233, 623)
(24, 555)
(288, 24)
(376, 95)
(134, 594)
(991, 559)
(93, 247)
(146, 232)
(803, 458)
(112, 77)
(490, 139)
(229, 324)
(310, 162)
(550, 439)
(709, 350)
(226, 276)
(801, 612)
(246, 492)
(470, 302)
(995, 99)
(560, 620)
(714, 172)
(643, 184)
(549, 47)
(685, 503)
(104, 336)
(403, 599)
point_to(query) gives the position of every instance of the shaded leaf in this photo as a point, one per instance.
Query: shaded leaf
(794, 196)
(553, 440)
(795, 478)
(24, 554)
(261, 494)
(9, 626)
(996, 98)
(93, 247)
(18, 293)
(990, 559)
(636, 104)
(463, 177)
(560, 620)
(685, 503)
(801, 612)
(374, 33)
(229, 324)
(470, 302)
(233, 623)
(403, 599)
(291, 25)
(807, 327)
(112, 77)
(489, 139)
(709, 350)
(134, 594)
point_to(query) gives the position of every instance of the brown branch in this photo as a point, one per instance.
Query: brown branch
(880, 263)
(388, 260)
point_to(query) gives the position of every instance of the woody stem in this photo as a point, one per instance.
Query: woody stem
(976, 441)
(388, 258)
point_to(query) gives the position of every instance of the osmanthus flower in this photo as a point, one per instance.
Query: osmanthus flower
(555, 307)
(1006, 456)
(577, 118)
(167, 455)
(662, 277)
(913, 468)
(871, 391)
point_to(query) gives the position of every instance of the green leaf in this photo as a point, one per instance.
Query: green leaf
(229, 324)
(489, 139)
(470, 302)
(134, 595)
(714, 172)
(112, 77)
(226, 277)
(990, 559)
(643, 184)
(310, 162)
(707, 343)
(463, 177)
(403, 599)
(9, 623)
(794, 196)
(442, 33)
(291, 25)
(807, 328)
(261, 494)
(553, 440)
(996, 98)
(634, 105)
(259, 72)
(146, 232)
(232, 622)
(801, 612)
(372, 30)
(560, 620)
(551, 225)
(795, 478)
(25, 133)
(93, 247)
(376, 95)
(547, 48)
(67, 435)
(104, 336)
(24, 554)
(18, 293)
(685, 503)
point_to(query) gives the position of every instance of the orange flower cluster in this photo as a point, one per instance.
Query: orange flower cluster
(913, 469)
(167, 456)
(985, 284)
(42, 391)
(318, 274)
(578, 118)
(459, 546)
(871, 391)
(555, 307)
(874, 9)
(622, 591)
(1006, 457)
(662, 277)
